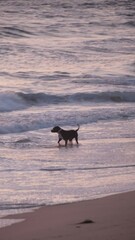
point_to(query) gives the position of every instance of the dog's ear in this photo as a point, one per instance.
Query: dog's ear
(55, 129)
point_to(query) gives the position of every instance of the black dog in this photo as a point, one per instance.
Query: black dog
(66, 134)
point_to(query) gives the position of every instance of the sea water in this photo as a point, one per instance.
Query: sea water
(66, 63)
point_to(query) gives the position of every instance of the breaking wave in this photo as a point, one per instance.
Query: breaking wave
(12, 101)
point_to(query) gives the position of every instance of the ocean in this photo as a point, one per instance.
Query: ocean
(65, 63)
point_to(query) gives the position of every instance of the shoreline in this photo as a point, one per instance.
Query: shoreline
(110, 217)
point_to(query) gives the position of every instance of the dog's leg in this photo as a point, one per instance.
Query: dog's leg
(66, 142)
(59, 140)
(76, 138)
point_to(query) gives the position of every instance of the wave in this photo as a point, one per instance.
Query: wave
(11, 101)
(26, 121)
(14, 32)
(130, 23)
(59, 169)
(12, 206)
(52, 169)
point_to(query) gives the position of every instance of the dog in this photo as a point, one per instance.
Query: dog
(66, 135)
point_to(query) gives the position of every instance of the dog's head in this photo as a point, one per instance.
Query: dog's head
(56, 129)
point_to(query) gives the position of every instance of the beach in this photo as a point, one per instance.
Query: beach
(67, 63)
(111, 217)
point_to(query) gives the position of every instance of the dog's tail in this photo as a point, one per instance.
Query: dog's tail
(78, 127)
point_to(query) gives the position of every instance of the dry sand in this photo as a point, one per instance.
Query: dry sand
(112, 217)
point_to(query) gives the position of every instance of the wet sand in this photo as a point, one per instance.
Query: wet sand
(108, 218)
